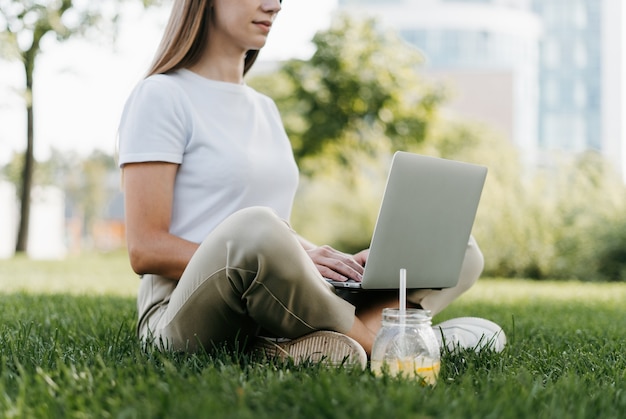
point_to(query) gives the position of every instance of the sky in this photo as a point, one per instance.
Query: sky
(81, 86)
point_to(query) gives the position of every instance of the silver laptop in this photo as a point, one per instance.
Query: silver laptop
(424, 223)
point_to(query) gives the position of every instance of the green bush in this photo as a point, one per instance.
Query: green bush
(562, 222)
(609, 262)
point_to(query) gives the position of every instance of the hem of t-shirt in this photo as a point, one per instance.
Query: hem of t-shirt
(150, 157)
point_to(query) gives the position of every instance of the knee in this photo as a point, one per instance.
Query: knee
(473, 265)
(255, 226)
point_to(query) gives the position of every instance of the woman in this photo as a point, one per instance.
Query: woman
(209, 178)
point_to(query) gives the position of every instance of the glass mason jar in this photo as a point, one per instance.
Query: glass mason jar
(406, 345)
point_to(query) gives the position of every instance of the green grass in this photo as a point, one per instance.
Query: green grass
(67, 349)
(99, 274)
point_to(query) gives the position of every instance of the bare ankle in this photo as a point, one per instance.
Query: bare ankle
(363, 335)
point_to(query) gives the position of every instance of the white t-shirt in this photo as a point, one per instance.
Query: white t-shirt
(227, 138)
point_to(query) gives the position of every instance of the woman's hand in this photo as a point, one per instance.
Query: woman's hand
(336, 265)
(361, 257)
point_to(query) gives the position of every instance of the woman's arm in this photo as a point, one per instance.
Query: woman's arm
(148, 196)
(334, 264)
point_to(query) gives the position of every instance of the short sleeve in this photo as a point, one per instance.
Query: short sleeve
(154, 125)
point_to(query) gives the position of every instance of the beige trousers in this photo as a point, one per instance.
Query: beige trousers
(250, 275)
(437, 300)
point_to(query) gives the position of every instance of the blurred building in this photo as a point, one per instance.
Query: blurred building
(582, 69)
(546, 73)
(103, 232)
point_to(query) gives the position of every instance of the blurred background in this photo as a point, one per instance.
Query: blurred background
(533, 89)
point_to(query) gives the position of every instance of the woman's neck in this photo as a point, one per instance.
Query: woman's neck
(220, 65)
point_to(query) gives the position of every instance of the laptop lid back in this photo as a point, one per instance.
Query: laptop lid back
(424, 224)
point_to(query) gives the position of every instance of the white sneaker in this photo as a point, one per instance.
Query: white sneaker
(322, 346)
(470, 333)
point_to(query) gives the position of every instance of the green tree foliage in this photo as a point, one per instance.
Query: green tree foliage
(88, 183)
(362, 96)
(590, 203)
(339, 204)
(502, 204)
(359, 98)
(24, 25)
(14, 169)
(360, 88)
(609, 258)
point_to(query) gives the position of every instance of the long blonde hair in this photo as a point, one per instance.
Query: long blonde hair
(186, 36)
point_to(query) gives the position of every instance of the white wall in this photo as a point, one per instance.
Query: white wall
(46, 236)
(614, 84)
(8, 219)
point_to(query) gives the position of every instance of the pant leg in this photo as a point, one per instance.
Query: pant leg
(250, 273)
(472, 267)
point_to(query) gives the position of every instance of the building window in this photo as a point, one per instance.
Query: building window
(580, 55)
(451, 44)
(580, 94)
(578, 133)
(579, 18)
(551, 53)
(565, 132)
(551, 132)
(551, 94)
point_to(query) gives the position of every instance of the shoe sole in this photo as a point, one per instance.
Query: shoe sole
(323, 346)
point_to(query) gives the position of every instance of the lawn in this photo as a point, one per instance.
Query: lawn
(67, 349)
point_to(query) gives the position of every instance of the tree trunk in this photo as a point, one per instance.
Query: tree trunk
(29, 160)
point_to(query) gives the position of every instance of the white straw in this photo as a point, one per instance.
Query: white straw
(402, 291)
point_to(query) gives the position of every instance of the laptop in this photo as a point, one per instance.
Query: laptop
(424, 223)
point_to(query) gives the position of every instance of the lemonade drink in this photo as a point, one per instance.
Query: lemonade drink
(421, 368)
(406, 345)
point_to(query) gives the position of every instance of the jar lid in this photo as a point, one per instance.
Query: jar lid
(410, 315)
